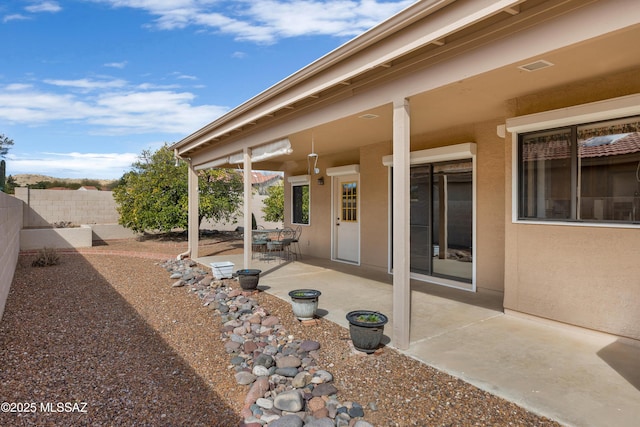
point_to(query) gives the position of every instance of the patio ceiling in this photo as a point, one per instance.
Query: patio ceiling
(477, 99)
(474, 98)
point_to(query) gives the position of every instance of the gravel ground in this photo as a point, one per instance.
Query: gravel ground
(107, 334)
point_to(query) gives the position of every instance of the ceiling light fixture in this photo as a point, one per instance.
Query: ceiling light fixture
(313, 155)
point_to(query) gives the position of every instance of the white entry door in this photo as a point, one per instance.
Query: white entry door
(346, 235)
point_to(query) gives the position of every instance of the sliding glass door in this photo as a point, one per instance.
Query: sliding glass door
(441, 219)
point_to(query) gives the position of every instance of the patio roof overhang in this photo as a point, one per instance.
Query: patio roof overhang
(460, 56)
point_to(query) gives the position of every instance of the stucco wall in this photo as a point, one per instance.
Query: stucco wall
(374, 206)
(10, 225)
(582, 275)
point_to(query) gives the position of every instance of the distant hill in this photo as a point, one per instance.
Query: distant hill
(29, 179)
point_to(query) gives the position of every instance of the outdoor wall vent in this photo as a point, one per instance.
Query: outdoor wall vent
(536, 65)
(369, 116)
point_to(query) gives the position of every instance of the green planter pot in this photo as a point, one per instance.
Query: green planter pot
(304, 303)
(366, 328)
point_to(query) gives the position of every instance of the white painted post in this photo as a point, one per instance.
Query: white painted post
(247, 207)
(194, 203)
(401, 230)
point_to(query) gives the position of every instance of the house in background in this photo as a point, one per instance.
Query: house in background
(484, 145)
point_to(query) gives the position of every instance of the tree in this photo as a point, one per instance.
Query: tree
(274, 203)
(154, 194)
(5, 144)
(10, 185)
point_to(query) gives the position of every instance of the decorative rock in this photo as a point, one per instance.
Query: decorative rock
(308, 345)
(356, 411)
(264, 360)
(264, 403)
(231, 346)
(316, 404)
(284, 376)
(290, 401)
(288, 362)
(270, 321)
(245, 378)
(301, 379)
(258, 389)
(320, 422)
(324, 390)
(287, 372)
(322, 376)
(287, 421)
(260, 371)
(269, 418)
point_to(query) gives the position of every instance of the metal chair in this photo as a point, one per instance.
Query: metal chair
(296, 242)
(286, 237)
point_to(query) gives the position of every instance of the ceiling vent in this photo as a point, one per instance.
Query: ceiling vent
(369, 116)
(536, 65)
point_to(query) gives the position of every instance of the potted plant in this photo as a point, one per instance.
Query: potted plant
(248, 278)
(304, 303)
(366, 328)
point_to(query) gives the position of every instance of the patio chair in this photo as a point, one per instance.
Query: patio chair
(287, 236)
(296, 242)
(275, 246)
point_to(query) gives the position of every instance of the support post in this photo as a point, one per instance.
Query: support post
(401, 230)
(247, 208)
(194, 203)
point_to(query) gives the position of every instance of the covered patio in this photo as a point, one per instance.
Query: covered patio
(574, 376)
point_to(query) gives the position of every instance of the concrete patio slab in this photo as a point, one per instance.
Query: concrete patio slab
(576, 377)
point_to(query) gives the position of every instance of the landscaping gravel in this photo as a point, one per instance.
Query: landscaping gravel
(104, 338)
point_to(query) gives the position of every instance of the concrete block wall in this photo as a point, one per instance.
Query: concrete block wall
(10, 225)
(45, 207)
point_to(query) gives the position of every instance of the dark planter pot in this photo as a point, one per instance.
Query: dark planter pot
(304, 303)
(248, 278)
(366, 328)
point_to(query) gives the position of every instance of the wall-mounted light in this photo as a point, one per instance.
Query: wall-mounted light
(321, 180)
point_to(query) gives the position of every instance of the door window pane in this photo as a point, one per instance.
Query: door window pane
(349, 201)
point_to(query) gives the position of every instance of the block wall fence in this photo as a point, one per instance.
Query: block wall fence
(45, 207)
(10, 225)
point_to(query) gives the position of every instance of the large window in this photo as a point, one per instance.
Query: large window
(588, 172)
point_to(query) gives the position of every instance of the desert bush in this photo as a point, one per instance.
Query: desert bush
(46, 257)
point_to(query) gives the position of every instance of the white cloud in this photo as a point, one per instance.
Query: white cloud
(87, 84)
(15, 17)
(108, 109)
(44, 6)
(266, 21)
(120, 65)
(73, 165)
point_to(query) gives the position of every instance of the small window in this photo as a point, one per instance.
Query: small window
(588, 172)
(299, 199)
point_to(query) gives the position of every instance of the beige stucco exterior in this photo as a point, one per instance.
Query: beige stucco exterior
(444, 74)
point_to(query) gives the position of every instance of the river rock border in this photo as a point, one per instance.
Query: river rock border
(285, 386)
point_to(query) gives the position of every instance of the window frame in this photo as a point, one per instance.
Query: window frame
(579, 115)
(299, 181)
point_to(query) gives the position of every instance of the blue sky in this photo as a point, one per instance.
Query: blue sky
(86, 85)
